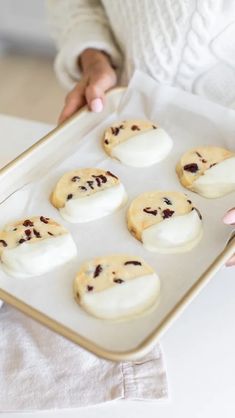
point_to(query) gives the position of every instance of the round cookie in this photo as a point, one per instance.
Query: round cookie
(116, 287)
(88, 193)
(137, 143)
(34, 246)
(165, 222)
(208, 171)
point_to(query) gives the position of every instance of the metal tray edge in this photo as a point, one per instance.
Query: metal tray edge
(145, 346)
(142, 349)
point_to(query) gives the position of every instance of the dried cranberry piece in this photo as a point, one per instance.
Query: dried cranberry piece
(135, 128)
(90, 183)
(70, 196)
(135, 263)
(150, 211)
(115, 130)
(106, 141)
(198, 212)
(102, 178)
(98, 181)
(3, 242)
(27, 222)
(21, 241)
(75, 178)
(111, 174)
(98, 270)
(90, 288)
(36, 233)
(167, 213)
(27, 232)
(167, 201)
(44, 220)
(118, 280)
(192, 168)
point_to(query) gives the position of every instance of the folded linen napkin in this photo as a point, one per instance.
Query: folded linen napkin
(42, 370)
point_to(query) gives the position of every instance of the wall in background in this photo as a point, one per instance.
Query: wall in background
(23, 26)
(28, 84)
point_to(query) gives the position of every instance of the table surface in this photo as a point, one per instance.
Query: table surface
(198, 348)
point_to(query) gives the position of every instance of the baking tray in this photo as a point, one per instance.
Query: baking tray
(182, 278)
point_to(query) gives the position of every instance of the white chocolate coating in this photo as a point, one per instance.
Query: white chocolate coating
(144, 149)
(176, 234)
(37, 258)
(95, 206)
(218, 180)
(124, 300)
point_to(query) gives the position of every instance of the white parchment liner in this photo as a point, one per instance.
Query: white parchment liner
(191, 121)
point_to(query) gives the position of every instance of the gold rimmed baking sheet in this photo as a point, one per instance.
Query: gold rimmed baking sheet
(49, 299)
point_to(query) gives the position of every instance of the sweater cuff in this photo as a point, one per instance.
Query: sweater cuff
(86, 35)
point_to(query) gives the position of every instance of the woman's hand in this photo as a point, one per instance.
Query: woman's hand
(229, 219)
(98, 77)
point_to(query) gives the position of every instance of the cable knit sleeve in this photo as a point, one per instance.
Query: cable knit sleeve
(77, 25)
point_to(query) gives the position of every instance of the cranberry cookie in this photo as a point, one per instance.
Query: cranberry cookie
(87, 194)
(137, 143)
(165, 222)
(34, 246)
(208, 171)
(116, 287)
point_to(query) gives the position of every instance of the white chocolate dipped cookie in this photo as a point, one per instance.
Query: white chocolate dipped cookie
(34, 246)
(165, 222)
(116, 287)
(88, 193)
(208, 171)
(137, 143)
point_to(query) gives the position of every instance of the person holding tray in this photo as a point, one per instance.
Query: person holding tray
(186, 44)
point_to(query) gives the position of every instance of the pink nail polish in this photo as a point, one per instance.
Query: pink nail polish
(229, 217)
(231, 262)
(96, 105)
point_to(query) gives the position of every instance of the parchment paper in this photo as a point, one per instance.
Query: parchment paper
(191, 121)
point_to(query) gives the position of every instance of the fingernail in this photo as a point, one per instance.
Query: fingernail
(229, 217)
(231, 262)
(96, 105)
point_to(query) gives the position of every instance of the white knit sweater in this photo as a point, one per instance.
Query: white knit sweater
(185, 43)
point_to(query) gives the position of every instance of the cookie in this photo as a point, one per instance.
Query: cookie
(88, 193)
(34, 246)
(165, 222)
(208, 171)
(137, 143)
(116, 287)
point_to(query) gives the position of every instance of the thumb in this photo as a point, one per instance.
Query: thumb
(229, 217)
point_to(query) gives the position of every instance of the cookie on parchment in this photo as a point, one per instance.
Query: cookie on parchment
(88, 193)
(116, 287)
(34, 246)
(208, 171)
(137, 143)
(165, 222)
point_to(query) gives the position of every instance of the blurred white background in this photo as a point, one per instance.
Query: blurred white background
(28, 85)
